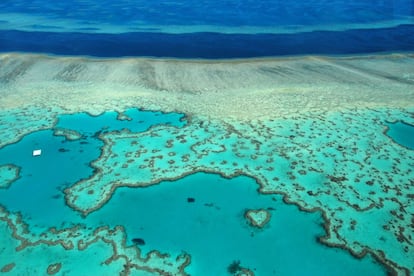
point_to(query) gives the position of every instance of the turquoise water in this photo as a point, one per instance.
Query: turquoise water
(212, 229)
(134, 120)
(203, 214)
(63, 162)
(214, 232)
(38, 193)
(402, 133)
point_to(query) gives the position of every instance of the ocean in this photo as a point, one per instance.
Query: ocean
(206, 137)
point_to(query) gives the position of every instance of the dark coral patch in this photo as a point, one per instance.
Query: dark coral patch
(54, 268)
(8, 267)
(138, 241)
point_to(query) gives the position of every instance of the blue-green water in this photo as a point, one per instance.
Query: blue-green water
(63, 163)
(214, 231)
(134, 120)
(402, 133)
(211, 229)
(38, 193)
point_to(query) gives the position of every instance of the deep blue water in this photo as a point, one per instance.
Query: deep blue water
(143, 24)
(211, 45)
(215, 12)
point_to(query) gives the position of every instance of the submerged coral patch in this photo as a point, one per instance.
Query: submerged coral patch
(54, 268)
(8, 174)
(257, 218)
(8, 267)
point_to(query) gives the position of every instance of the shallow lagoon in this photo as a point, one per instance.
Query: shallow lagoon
(402, 133)
(212, 229)
(215, 233)
(64, 162)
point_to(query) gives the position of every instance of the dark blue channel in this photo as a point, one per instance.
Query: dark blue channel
(211, 45)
